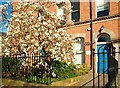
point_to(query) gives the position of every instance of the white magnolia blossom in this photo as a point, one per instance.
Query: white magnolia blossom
(33, 27)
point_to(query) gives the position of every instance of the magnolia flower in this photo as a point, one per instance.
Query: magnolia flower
(45, 23)
(45, 27)
(22, 41)
(36, 44)
(28, 48)
(32, 45)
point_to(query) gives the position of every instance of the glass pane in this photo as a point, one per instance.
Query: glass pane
(103, 13)
(75, 16)
(75, 5)
(103, 7)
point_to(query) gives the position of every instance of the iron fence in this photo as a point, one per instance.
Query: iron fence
(38, 69)
(105, 68)
(27, 68)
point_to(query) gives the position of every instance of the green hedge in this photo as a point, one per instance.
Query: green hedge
(11, 69)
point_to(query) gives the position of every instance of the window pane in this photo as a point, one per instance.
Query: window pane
(103, 13)
(75, 16)
(78, 50)
(103, 9)
(61, 12)
(76, 5)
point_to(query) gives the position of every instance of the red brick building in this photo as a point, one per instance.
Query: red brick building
(106, 27)
(106, 17)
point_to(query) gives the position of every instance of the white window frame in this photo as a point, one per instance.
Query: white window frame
(61, 17)
(97, 8)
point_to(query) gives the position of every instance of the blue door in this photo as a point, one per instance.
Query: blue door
(103, 55)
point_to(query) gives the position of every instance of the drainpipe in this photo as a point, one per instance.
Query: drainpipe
(91, 40)
(91, 32)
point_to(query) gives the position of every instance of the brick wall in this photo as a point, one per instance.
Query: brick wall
(85, 10)
(114, 8)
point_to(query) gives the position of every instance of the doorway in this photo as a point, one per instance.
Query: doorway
(103, 50)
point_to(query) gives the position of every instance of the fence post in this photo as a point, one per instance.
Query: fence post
(103, 53)
(119, 69)
(98, 52)
(50, 66)
(93, 68)
(114, 49)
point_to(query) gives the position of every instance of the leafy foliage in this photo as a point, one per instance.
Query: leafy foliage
(12, 68)
(63, 70)
(84, 69)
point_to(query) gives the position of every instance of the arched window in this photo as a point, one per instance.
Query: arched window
(104, 38)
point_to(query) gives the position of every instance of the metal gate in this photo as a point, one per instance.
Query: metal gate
(105, 63)
(106, 66)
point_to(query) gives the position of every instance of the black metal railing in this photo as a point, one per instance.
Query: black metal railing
(108, 75)
(104, 77)
(27, 68)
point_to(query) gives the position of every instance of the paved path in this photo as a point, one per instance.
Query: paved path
(88, 81)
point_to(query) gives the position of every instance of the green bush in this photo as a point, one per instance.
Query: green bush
(63, 70)
(84, 69)
(10, 66)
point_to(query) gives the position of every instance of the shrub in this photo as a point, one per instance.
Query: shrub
(10, 66)
(13, 68)
(63, 70)
(84, 69)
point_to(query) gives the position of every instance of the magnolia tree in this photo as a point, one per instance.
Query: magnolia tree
(33, 27)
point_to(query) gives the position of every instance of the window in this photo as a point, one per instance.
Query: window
(102, 8)
(75, 14)
(104, 38)
(78, 51)
(61, 12)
